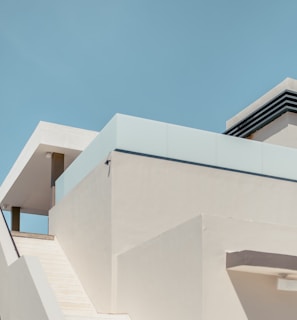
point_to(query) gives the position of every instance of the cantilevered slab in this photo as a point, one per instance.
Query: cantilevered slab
(262, 262)
(28, 184)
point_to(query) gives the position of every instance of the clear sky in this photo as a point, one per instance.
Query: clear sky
(190, 62)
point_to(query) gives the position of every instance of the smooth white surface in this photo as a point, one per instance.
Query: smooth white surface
(180, 144)
(82, 223)
(150, 196)
(24, 291)
(240, 154)
(120, 227)
(242, 295)
(162, 278)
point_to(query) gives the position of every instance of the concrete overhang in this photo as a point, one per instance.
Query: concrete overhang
(28, 184)
(275, 264)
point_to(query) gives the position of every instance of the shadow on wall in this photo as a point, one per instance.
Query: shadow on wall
(260, 298)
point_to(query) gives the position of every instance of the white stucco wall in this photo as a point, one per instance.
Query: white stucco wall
(24, 291)
(128, 227)
(162, 278)
(82, 224)
(30, 296)
(241, 295)
(151, 196)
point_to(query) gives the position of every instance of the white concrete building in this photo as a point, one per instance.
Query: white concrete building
(153, 221)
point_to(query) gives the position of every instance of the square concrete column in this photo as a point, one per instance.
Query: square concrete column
(15, 218)
(56, 170)
(57, 167)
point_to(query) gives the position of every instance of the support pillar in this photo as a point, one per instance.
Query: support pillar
(57, 167)
(56, 170)
(15, 218)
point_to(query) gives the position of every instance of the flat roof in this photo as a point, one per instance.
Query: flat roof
(27, 185)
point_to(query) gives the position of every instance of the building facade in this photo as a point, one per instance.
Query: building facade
(154, 221)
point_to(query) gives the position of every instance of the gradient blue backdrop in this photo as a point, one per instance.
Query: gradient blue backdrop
(194, 63)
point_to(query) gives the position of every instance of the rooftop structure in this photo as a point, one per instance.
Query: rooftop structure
(154, 221)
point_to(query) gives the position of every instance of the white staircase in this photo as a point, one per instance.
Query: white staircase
(64, 282)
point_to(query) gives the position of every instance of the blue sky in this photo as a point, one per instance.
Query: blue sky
(193, 63)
